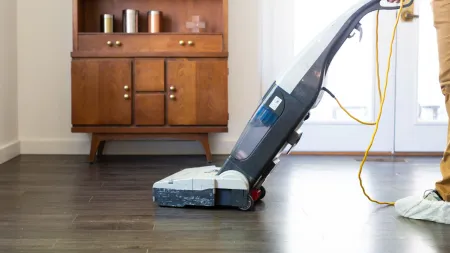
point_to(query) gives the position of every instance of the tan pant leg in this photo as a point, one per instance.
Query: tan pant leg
(441, 10)
(443, 186)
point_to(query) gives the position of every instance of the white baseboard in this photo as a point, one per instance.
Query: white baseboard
(151, 147)
(9, 151)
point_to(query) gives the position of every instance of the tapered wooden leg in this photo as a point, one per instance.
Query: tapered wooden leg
(204, 140)
(95, 143)
(101, 147)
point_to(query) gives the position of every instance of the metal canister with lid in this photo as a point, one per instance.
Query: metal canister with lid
(130, 21)
(154, 21)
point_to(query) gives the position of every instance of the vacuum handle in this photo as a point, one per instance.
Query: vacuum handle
(410, 2)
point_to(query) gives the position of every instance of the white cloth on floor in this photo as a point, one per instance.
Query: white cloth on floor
(419, 208)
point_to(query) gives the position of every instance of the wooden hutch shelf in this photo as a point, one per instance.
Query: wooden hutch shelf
(169, 83)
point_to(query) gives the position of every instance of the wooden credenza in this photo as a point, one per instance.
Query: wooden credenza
(172, 84)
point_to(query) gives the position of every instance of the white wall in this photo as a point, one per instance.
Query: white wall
(44, 45)
(9, 145)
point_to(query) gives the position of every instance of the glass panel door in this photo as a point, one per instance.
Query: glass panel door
(291, 25)
(421, 118)
(351, 74)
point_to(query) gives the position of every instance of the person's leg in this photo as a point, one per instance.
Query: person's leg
(441, 10)
(435, 205)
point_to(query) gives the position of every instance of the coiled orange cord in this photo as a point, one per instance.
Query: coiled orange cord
(382, 99)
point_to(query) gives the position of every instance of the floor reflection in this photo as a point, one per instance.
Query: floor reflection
(313, 204)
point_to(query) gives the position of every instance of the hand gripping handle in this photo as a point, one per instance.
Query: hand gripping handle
(406, 3)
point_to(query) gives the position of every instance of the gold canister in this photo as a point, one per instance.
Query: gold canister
(154, 21)
(107, 23)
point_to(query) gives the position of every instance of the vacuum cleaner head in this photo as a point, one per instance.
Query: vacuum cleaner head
(273, 128)
(203, 186)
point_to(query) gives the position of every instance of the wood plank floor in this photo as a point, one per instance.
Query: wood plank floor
(313, 204)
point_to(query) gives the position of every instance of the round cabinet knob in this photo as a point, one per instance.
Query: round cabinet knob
(190, 43)
(182, 42)
(126, 87)
(109, 43)
(118, 43)
(172, 97)
(126, 96)
(172, 88)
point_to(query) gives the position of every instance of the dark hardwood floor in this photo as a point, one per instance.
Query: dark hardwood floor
(313, 204)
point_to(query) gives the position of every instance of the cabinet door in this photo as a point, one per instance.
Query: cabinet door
(149, 109)
(101, 92)
(149, 75)
(197, 92)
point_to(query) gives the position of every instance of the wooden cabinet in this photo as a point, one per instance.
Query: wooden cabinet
(173, 83)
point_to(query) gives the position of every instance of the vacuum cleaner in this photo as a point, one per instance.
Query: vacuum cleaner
(274, 127)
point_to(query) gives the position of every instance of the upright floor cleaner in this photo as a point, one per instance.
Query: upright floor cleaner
(274, 126)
